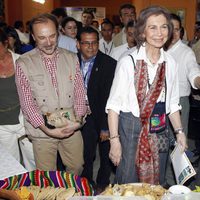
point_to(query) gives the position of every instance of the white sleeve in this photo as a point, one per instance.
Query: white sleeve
(175, 97)
(192, 67)
(120, 87)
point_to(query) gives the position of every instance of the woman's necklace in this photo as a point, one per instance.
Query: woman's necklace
(6, 66)
(153, 59)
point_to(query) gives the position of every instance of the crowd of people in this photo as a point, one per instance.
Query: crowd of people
(69, 86)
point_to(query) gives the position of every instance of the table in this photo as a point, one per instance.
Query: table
(9, 166)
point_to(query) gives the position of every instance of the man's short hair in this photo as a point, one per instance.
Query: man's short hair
(59, 12)
(127, 5)
(131, 24)
(18, 24)
(87, 29)
(106, 21)
(43, 18)
(95, 21)
(87, 11)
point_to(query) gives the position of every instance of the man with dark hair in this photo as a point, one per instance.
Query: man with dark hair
(129, 46)
(117, 28)
(98, 72)
(106, 44)
(49, 82)
(19, 27)
(196, 35)
(59, 13)
(87, 17)
(188, 77)
(127, 13)
(95, 24)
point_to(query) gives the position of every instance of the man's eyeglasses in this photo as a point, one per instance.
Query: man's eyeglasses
(87, 43)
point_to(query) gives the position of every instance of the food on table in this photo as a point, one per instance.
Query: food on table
(150, 192)
(48, 193)
(24, 194)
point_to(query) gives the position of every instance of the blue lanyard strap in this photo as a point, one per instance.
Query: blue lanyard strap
(86, 70)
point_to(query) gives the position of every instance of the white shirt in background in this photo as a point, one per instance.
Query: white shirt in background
(118, 51)
(127, 52)
(68, 43)
(188, 68)
(105, 47)
(23, 37)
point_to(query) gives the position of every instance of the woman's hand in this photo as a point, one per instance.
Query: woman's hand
(115, 151)
(181, 139)
(180, 135)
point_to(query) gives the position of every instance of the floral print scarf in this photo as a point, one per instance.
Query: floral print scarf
(147, 156)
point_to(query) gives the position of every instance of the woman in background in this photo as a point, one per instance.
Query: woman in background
(69, 27)
(14, 43)
(12, 132)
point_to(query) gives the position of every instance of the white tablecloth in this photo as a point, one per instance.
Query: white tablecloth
(9, 166)
(190, 196)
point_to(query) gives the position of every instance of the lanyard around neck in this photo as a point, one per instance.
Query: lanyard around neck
(106, 49)
(86, 76)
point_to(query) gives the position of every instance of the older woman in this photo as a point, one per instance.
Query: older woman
(144, 93)
(11, 120)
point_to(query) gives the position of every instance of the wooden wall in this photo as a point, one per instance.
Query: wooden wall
(25, 9)
(31, 8)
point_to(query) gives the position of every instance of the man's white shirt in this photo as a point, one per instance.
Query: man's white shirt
(105, 47)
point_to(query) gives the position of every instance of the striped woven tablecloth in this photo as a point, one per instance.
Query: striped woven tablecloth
(48, 178)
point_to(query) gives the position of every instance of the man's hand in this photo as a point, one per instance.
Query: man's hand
(71, 127)
(63, 132)
(59, 133)
(104, 135)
